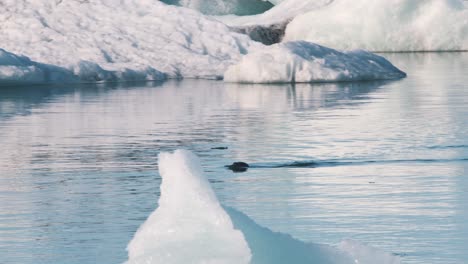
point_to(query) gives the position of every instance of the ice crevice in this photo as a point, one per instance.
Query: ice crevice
(191, 226)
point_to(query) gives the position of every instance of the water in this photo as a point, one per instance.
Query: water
(386, 161)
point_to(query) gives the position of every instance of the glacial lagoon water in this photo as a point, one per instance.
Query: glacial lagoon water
(383, 163)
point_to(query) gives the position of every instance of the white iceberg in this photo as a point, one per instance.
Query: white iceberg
(190, 226)
(385, 25)
(130, 39)
(302, 61)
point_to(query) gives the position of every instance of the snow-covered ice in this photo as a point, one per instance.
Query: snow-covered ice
(385, 25)
(307, 62)
(191, 226)
(129, 38)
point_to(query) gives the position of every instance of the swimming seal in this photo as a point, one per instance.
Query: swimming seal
(238, 166)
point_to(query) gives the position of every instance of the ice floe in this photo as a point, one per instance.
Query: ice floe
(307, 62)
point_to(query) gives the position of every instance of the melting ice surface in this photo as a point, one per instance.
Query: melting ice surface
(191, 226)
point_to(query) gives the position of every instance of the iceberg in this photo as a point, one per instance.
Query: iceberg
(385, 25)
(302, 61)
(129, 39)
(191, 226)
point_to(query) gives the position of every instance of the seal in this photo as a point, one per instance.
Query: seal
(238, 166)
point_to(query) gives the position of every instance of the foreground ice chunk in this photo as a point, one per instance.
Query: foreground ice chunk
(135, 40)
(190, 226)
(386, 25)
(307, 62)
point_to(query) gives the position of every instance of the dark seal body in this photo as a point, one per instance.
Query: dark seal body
(238, 166)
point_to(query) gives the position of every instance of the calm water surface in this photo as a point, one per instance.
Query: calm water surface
(78, 165)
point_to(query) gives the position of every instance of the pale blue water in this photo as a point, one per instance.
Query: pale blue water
(78, 170)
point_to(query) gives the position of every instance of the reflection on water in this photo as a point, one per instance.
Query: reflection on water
(78, 171)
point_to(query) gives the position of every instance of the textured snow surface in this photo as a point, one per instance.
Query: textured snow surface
(386, 25)
(132, 39)
(190, 226)
(307, 62)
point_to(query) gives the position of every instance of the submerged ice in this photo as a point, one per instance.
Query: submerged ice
(191, 226)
